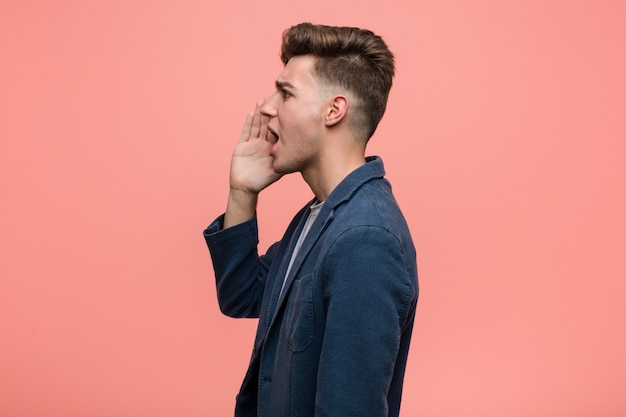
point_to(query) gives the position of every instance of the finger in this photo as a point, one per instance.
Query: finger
(264, 119)
(247, 127)
(269, 137)
(259, 105)
(256, 126)
(258, 117)
(264, 122)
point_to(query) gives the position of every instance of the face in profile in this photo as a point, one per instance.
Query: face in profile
(296, 110)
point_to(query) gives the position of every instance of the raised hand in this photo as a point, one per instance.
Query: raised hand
(251, 165)
(250, 168)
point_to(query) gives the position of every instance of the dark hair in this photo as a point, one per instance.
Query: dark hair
(352, 58)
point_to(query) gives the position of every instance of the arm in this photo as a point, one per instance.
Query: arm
(239, 271)
(368, 298)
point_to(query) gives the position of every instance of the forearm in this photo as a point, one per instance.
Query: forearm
(241, 207)
(239, 272)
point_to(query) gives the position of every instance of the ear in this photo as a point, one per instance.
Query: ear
(336, 110)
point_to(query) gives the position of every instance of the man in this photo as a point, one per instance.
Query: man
(336, 296)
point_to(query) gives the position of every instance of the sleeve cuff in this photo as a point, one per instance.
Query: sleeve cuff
(218, 238)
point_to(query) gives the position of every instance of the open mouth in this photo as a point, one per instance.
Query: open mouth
(273, 135)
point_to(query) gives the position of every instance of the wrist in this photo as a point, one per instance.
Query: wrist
(242, 197)
(241, 207)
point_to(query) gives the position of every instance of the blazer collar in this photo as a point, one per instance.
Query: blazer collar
(372, 169)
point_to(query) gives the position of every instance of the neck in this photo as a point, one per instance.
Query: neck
(334, 165)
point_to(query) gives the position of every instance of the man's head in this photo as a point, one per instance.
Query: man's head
(351, 60)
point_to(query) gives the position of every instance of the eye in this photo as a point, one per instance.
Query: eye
(285, 94)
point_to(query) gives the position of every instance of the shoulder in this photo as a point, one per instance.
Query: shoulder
(372, 204)
(364, 243)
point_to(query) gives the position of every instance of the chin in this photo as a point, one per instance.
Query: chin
(282, 169)
(277, 167)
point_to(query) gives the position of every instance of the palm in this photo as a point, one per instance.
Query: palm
(251, 165)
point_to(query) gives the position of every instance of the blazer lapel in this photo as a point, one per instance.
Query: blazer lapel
(282, 270)
(314, 233)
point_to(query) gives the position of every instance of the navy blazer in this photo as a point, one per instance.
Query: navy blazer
(335, 341)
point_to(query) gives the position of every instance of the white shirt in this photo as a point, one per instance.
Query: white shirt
(315, 209)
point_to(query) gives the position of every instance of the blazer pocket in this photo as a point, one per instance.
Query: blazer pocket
(299, 317)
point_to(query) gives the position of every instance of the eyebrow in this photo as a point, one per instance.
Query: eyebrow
(282, 84)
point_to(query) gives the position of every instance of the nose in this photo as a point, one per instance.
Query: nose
(269, 106)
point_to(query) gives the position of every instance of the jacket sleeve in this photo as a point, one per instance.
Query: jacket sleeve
(369, 298)
(240, 273)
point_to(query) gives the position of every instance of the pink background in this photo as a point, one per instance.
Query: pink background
(504, 138)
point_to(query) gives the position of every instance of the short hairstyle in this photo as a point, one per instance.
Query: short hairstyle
(351, 58)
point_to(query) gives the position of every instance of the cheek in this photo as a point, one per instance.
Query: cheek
(300, 122)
